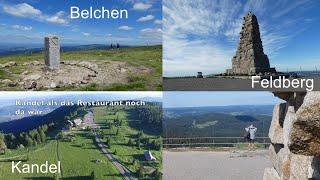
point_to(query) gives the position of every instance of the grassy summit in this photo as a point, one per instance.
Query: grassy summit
(148, 57)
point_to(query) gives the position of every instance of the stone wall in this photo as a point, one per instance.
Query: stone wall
(295, 137)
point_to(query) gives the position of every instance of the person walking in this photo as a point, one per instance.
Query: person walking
(250, 136)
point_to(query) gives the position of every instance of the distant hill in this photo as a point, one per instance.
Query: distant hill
(31, 122)
(24, 49)
(7, 113)
(216, 121)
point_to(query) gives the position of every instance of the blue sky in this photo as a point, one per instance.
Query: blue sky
(202, 35)
(28, 21)
(218, 98)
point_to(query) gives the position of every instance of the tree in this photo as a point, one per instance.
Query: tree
(141, 173)
(55, 176)
(93, 175)
(42, 135)
(29, 142)
(11, 141)
(108, 142)
(138, 144)
(3, 146)
(44, 128)
(156, 144)
(135, 163)
(27, 158)
(117, 133)
(157, 175)
(130, 143)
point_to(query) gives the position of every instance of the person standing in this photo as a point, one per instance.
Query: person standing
(251, 131)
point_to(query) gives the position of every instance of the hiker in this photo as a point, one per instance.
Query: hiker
(250, 135)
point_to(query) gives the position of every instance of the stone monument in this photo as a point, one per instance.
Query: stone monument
(52, 52)
(250, 58)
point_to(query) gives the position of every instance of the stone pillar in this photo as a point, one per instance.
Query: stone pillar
(52, 52)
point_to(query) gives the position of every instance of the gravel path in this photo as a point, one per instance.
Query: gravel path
(202, 165)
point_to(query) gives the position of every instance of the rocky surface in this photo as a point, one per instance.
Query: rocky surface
(37, 76)
(250, 58)
(305, 135)
(280, 158)
(295, 148)
(270, 174)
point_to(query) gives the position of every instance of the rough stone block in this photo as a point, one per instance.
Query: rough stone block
(288, 124)
(280, 158)
(276, 127)
(304, 167)
(270, 174)
(305, 136)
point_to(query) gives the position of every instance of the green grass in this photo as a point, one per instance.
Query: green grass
(147, 56)
(35, 157)
(206, 124)
(79, 158)
(4, 74)
(119, 143)
(22, 152)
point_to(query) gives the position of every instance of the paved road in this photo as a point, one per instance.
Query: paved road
(123, 170)
(88, 119)
(192, 165)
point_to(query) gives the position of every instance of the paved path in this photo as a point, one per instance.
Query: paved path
(206, 165)
(88, 119)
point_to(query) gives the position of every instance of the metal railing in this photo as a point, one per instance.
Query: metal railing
(211, 142)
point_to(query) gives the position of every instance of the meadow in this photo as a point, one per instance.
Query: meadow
(121, 138)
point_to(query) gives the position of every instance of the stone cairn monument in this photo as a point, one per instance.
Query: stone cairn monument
(250, 58)
(295, 137)
(52, 52)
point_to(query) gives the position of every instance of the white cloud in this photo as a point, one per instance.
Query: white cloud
(151, 33)
(58, 18)
(140, 6)
(146, 18)
(23, 28)
(202, 35)
(158, 21)
(183, 57)
(86, 34)
(27, 11)
(22, 10)
(126, 28)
